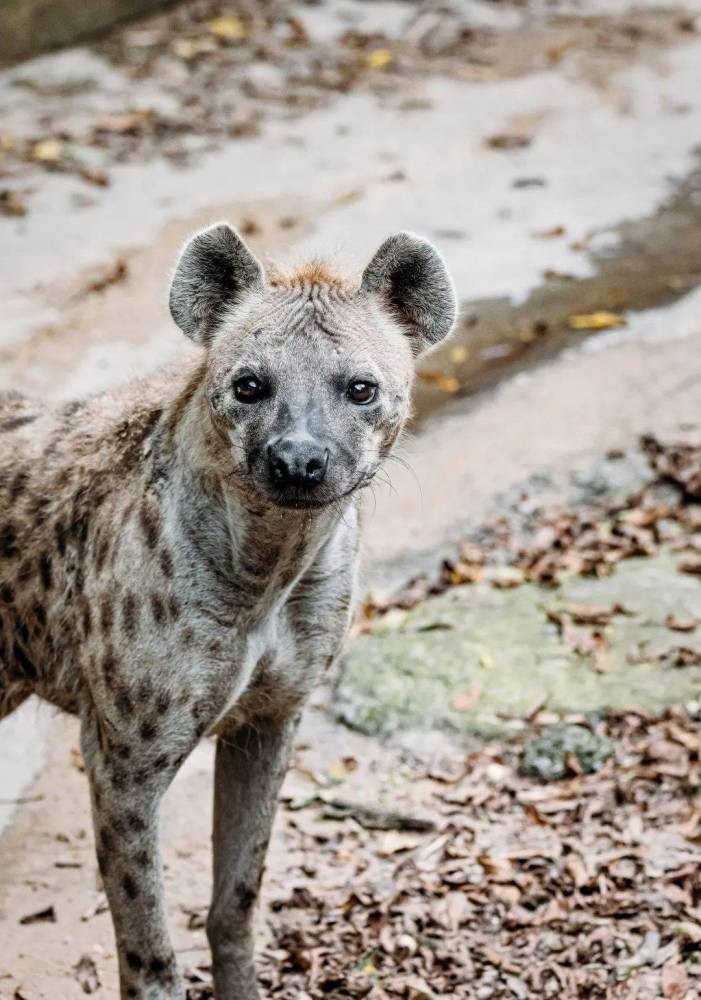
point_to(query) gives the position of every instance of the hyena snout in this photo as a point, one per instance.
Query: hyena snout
(297, 461)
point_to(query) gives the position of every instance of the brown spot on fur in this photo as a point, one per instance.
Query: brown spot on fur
(246, 896)
(79, 524)
(130, 436)
(8, 541)
(130, 887)
(109, 663)
(123, 702)
(13, 423)
(163, 703)
(149, 518)
(27, 668)
(119, 776)
(166, 561)
(106, 614)
(158, 609)
(18, 485)
(25, 572)
(7, 593)
(45, 570)
(136, 822)
(173, 608)
(134, 961)
(39, 613)
(147, 730)
(160, 968)
(101, 554)
(38, 510)
(61, 537)
(130, 613)
(119, 826)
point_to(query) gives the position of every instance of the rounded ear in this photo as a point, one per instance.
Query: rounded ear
(411, 276)
(215, 270)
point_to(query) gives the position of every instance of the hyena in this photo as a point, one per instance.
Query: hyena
(177, 558)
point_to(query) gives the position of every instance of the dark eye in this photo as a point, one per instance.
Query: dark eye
(361, 392)
(249, 389)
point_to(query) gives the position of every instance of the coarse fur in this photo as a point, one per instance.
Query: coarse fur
(161, 578)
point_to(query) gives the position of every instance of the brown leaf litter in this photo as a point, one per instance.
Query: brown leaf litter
(585, 887)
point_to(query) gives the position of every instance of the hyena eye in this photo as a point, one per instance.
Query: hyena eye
(361, 392)
(249, 389)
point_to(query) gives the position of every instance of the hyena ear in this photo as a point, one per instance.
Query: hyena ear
(215, 270)
(412, 277)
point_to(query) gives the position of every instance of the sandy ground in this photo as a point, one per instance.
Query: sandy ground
(611, 153)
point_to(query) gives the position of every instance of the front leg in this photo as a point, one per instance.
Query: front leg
(250, 766)
(126, 789)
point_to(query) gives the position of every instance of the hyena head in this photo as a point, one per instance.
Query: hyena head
(308, 377)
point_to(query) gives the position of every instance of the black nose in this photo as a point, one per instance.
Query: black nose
(295, 461)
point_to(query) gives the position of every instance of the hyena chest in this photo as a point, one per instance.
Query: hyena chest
(268, 673)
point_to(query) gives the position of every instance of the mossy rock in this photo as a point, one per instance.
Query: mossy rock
(474, 657)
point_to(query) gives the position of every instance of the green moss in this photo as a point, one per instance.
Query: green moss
(414, 675)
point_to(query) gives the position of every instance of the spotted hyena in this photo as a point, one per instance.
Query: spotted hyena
(177, 558)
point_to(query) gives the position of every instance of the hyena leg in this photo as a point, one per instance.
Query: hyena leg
(250, 765)
(125, 802)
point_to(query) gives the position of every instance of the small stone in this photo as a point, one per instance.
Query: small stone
(549, 755)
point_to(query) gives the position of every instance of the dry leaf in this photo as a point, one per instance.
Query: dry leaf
(98, 905)
(601, 320)
(11, 205)
(396, 841)
(190, 48)
(549, 234)
(507, 141)
(379, 58)
(446, 383)
(47, 915)
(126, 122)
(675, 982)
(680, 624)
(692, 565)
(47, 151)
(228, 28)
(86, 974)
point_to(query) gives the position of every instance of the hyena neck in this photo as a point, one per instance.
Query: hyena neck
(260, 548)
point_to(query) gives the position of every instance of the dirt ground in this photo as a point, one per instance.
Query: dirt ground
(569, 131)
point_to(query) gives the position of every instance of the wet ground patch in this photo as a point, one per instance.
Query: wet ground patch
(648, 262)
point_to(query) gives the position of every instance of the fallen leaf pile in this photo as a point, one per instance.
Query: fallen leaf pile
(589, 540)
(216, 71)
(585, 887)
